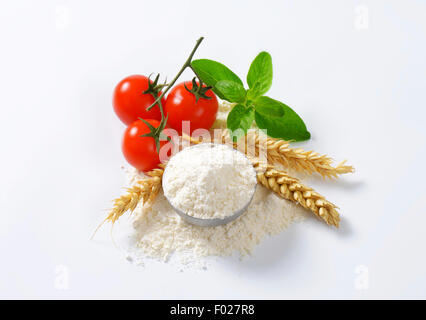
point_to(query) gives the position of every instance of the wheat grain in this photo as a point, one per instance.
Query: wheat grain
(145, 190)
(279, 151)
(292, 189)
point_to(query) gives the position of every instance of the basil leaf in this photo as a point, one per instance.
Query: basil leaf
(212, 71)
(269, 107)
(239, 120)
(255, 91)
(232, 91)
(289, 126)
(260, 73)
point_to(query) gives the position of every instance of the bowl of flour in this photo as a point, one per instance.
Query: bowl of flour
(209, 184)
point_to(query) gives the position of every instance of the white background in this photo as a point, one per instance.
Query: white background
(355, 72)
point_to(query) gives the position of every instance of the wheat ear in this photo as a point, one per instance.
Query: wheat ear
(292, 189)
(146, 190)
(279, 151)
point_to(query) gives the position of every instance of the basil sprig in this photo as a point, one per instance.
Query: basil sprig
(278, 119)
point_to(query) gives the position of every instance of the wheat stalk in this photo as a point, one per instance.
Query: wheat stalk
(279, 151)
(146, 190)
(292, 189)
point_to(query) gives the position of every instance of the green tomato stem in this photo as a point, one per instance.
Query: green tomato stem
(186, 65)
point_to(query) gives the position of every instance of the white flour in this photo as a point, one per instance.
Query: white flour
(209, 181)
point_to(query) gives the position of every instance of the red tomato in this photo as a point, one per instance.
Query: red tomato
(141, 152)
(181, 105)
(130, 102)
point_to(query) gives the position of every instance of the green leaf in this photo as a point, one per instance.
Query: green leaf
(212, 71)
(232, 91)
(254, 92)
(289, 126)
(239, 120)
(269, 107)
(260, 73)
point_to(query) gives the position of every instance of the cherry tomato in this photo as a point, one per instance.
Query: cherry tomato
(181, 105)
(130, 102)
(141, 152)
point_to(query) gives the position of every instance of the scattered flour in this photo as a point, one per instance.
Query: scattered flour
(160, 232)
(209, 181)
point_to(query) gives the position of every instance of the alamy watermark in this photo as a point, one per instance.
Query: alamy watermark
(61, 278)
(61, 17)
(362, 278)
(253, 143)
(362, 17)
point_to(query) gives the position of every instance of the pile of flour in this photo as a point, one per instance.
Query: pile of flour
(161, 232)
(209, 181)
